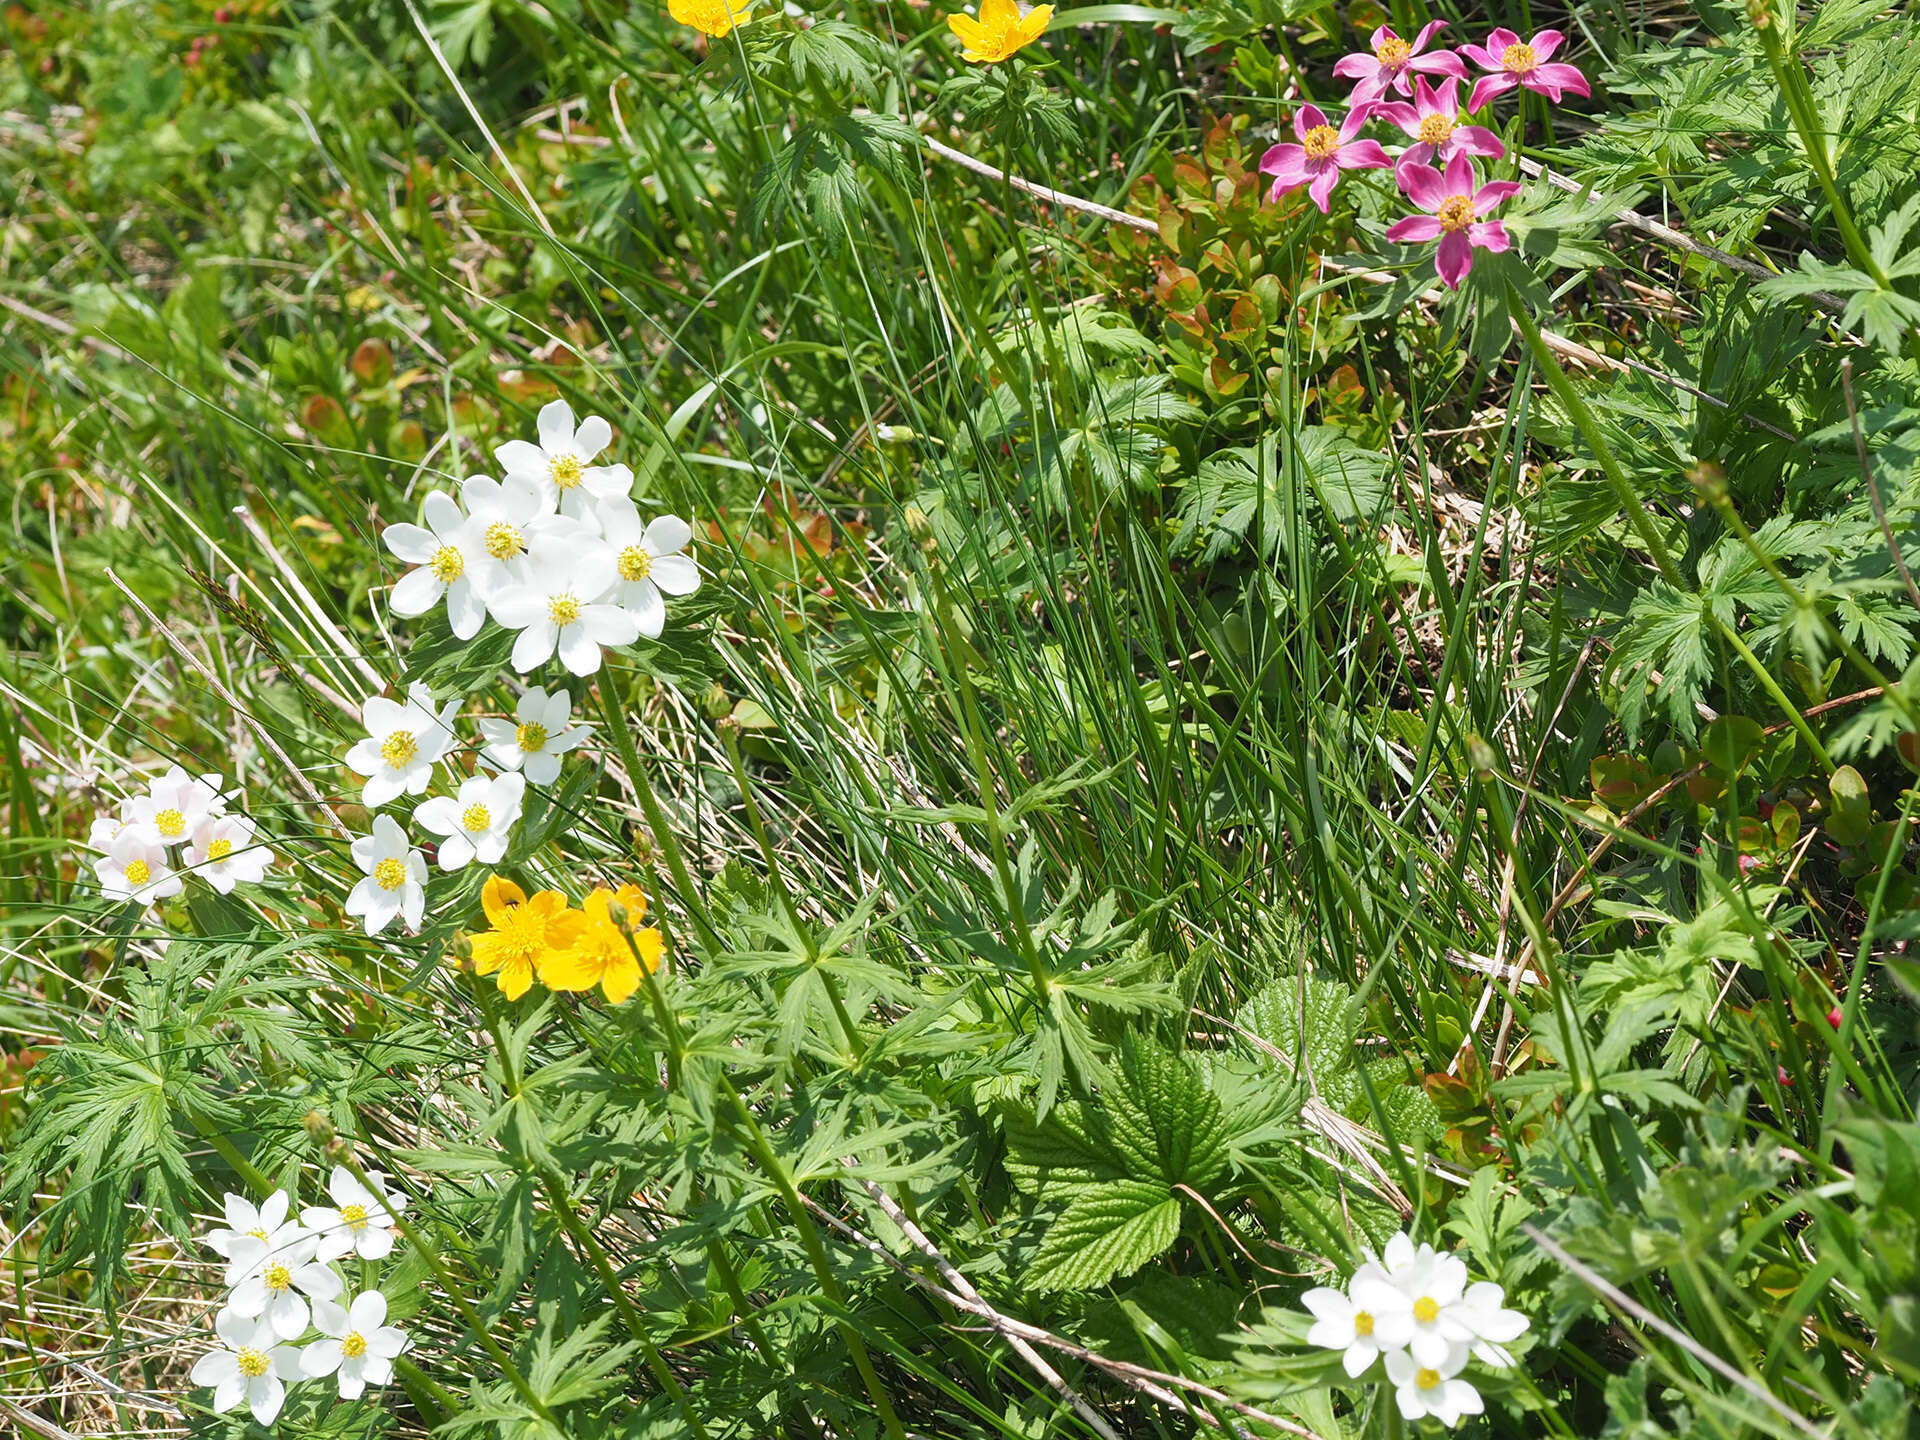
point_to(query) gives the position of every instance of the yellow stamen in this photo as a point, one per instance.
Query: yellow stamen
(1362, 1323)
(259, 1232)
(531, 739)
(390, 874)
(1425, 1310)
(1436, 130)
(219, 849)
(1426, 1379)
(1456, 213)
(635, 563)
(447, 564)
(1321, 142)
(504, 541)
(138, 872)
(563, 609)
(1517, 59)
(353, 1345)
(355, 1216)
(566, 470)
(170, 823)
(253, 1363)
(277, 1276)
(1393, 53)
(399, 748)
(476, 818)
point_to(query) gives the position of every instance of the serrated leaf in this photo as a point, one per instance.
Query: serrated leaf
(1107, 1232)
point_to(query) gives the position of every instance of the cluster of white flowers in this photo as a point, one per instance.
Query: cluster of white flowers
(282, 1284)
(557, 551)
(1413, 1306)
(179, 825)
(405, 740)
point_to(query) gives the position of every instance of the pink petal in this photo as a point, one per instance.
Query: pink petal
(1477, 140)
(1458, 176)
(1356, 119)
(1362, 155)
(1371, 88)
(1352, 67)
(1308, 117)
(1413, 161)
(1289, 162)
(1380, 37)
(1427, 32)
(1494, 192)
(1399, 113)
(1322, 187)
(1545, 43)
(1454, 258)
(1441, 62)
(1424, 187)
(1480, 57)
(1552, 79)
(1489, 235)
(1414, 230)
(1487, 87)
(1500, 39)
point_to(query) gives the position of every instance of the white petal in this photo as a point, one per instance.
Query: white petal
(413, 905)
(369, 1311)
(542, 769)
(466, 611)
(443, 516)
(534, 646)
(555, 424)
(417, 593)
(518, 458)
(666, 534)
(593, 436)
(214, 1367)
(412, 543)
(648, 609)
(676, 574)
(440, 815)
(231, 1390)
(320, 1358)
(579, 651)
(329, 1317)
(266, 1395)
(375, 1244)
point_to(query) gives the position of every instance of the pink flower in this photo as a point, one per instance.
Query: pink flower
(1322, 154)
(1453, 209)
(1433, 120)
(1514, 61)
(1393, 62)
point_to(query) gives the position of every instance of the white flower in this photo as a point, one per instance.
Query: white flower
(647, 560)
(559, 608)
(135, 868)
(1372, 1318)
(359, 1221)
(174, 804)
(477, 824)
(561, 464)
(396, 878)
(249, 1366)
(1480, 1311)
(403, 741)
(446, 551)
(268, 1224)
(510, 519)
(1433, 1284)
(537, 736)
(1423, 1390)
(224, 853)
(358, 1345)
(106, 829)
(270, 1280)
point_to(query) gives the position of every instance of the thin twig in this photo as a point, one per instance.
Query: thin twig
(1633, 1308)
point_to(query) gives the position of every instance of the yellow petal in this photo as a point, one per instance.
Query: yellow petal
(620, 981)
(1035, 25)
(968, 29)
(497, 895)
(515, 978)
(999, 14)
(651, 947)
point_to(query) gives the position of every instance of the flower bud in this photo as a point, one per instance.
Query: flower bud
(460, 946)
(1709, 481)
(1481, 756)
(318, 1127)
(339, 1150)
(617, 913)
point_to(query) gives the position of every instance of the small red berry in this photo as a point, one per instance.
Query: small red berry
(1781, 1072)
(1834, 1017)
(223, 16)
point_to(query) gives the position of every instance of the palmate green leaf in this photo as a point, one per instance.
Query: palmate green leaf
(1164, 1120)
(1106, 1232)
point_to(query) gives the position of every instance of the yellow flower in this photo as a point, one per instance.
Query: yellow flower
(709, 17)
(1000, 30)
(600, 954)
(524, 932)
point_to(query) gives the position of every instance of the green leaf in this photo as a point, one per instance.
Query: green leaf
(1111, 1231)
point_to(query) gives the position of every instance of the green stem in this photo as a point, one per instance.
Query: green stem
(225, 1148)
(663, 836)
(1565, 392)
(1802, 109)
(730, 733)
